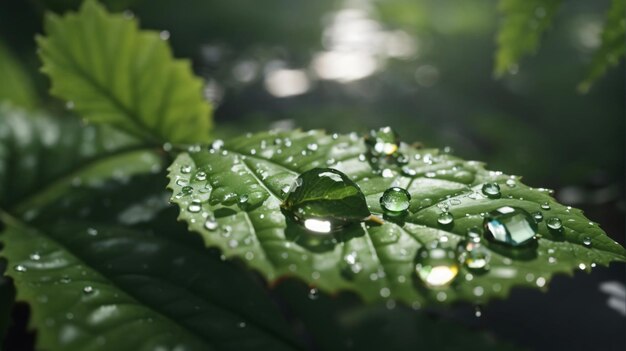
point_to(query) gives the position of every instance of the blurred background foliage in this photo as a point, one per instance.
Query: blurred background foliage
(497, 81)
(425, 67)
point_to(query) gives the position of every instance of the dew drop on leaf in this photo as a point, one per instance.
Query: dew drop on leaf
(195, 206)
(324, 200)
(510, 226)
(382, 142)
(537, 216)
(554, 223)
(491, 190)
(185, 169)
(210, 224)
(436, 266)
(445, 218)
(395, 201)
(474, 255)
(587, 241)
(20, 268)
(88, 289)
(545, 206)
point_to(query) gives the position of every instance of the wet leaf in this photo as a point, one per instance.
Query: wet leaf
(377, 260)
(111, 72)
(520, 32)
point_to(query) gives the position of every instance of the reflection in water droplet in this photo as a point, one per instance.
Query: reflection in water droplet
(491, 190)
(436, 267)
(395, 201)
(445, 218)
(554, 223)
(510, 225)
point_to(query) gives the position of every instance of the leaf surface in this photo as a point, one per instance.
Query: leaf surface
(376, 261)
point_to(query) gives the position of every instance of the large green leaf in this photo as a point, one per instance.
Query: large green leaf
(209, 186)
(15, 85)
(94, 286)
(111, 72)
(520, 32)
(612, 49)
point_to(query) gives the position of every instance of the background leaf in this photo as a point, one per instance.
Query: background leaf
(112, 72)
(612, 48)
(520, 32)
(207, 185)
(42, 158)
(15, 85)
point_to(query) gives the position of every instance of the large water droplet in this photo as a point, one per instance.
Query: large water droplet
(395, 201)
(436, 267)
(324, 200)
(510, 225)
(382, 142)
(491, 190)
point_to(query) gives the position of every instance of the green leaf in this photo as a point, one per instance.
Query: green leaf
(93, 286)
(520, 32)
(612, 48)
(206, 185)
(15, 85)
(43, 158)
(112, 72)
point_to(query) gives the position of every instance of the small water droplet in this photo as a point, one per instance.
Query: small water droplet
(587, 241)
(445, 218)
(382, 142)
(201, 176)
(395, 201)
(210, 224)
(491, 190)
(510, 183)
(537, 216)
(312, 147)
(478, 312)
(314, 294)
(545, 205)
(88, 289)
(554, 223)
(164, 35)
(195, 206)
(20, 268)
(474, 255)
(185, 169)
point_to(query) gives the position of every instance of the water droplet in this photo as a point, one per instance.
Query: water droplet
(510, 225)
(587, 241)
(436, 267)
(195, 206)
(382, 142)
(20, 268)
(537, 216)
(210, 224)
(554, 223)
(387, 173)
(474, 233)
(478, 312)
(510, 183)
(314, 294)
(88, 289)
(164, 35)
(445, 218)
(201, 176)
(324, 200)
(385, 292)
(395, 201)
(491, 190)
(474, 255)
(545, 206)
(312, 147)
(185, 169)
(35, 256)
